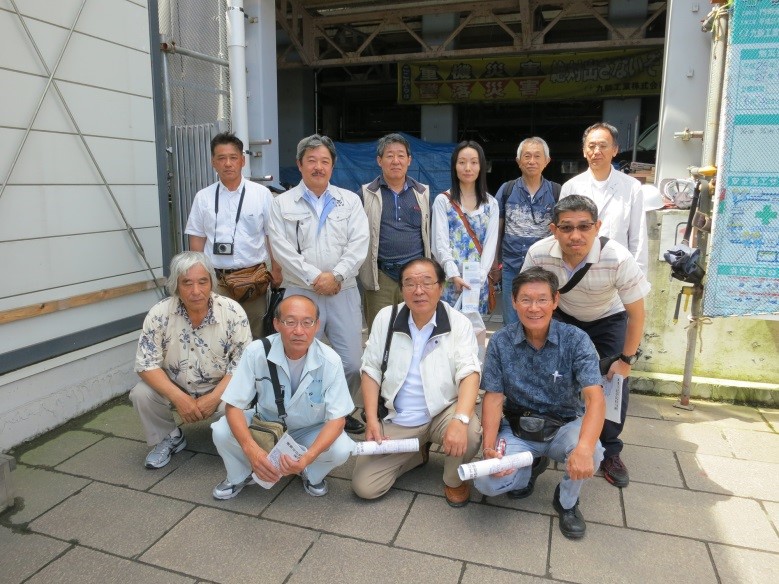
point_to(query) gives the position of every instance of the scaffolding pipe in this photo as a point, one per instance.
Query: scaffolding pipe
(236, 52)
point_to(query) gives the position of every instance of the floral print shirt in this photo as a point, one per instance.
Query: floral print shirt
(194, 358)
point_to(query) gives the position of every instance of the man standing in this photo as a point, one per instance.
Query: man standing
(316, 400)
(398, 209)
(429, 387)
(189, 346)
(320, 239)
(607, 303)
(229, 222)
(547, 373)
(617, 195)
(525, 213)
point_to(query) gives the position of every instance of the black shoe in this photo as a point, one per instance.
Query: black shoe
(539, 465)
(572, 523)
(354, 426)
(615, 471)
(425, 450)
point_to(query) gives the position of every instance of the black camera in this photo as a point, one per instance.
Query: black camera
(221, 248)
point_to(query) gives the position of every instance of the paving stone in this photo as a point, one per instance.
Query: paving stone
(772, 416)
(735, 565)
(120, 420)
(599, 500)
(82, 565)
(199, 437)
(370, 562)
(477, 533)
(196, 478)
(23, 554)
(652, 465)
(225, 547)
(112, 519)
(345, 470)
(773, 513)
(754, 445)
(704, 516)
(644, 406)
(717, 414)
(613, 555)
(120, 462)
(38, 490)
(481, 575)
(679, 436)
(341, 511)
(58, 449)
(429, 479)
(730, 476)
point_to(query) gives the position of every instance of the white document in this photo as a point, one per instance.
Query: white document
(489, 466)
(471, 275)
(285, 445)
(386, 447)
(613, 391)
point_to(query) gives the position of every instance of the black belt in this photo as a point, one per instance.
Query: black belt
(384, 266)
(220, 272)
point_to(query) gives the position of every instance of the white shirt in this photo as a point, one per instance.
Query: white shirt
(249, 245)
(410, 401)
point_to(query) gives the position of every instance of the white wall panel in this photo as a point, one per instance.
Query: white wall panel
(20, 103)
(33, 211)
(39, 264)
(57, 324)
(16, 50)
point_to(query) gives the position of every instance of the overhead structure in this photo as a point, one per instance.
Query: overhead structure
(332, 33)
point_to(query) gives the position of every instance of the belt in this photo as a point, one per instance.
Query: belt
(221, 272)
(388, 265)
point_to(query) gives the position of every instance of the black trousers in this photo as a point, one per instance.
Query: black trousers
(608, 336)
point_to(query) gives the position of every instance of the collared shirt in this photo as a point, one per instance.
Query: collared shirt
(321, 395)
(249, 233)
(548, 380)
(613, 280)
(410, 400)
(322, 204)
(400, 235)
(194, 358)
(526, 219)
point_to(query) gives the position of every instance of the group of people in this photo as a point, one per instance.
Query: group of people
(573, 262)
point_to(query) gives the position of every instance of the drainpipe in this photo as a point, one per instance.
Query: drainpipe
(236, 52)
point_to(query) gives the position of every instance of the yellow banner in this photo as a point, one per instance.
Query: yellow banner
(596, 75)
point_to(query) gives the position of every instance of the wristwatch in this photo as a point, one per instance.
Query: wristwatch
(463, 418)
(339, 278)
(630, 359)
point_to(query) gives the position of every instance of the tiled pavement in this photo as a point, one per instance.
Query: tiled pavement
(703, 506)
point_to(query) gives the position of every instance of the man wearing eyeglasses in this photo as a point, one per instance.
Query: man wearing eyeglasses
(320, 239)
(428, 385)
(617, 195)
(544, 396)
(316, 400)
(607, 303)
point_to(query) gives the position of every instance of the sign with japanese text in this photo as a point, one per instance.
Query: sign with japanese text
(623, 73)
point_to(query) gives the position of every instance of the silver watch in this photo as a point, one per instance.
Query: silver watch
(339, 278)
(463, 418)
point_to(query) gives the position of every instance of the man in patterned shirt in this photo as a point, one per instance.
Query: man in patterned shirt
(189, 346)
(544, 376)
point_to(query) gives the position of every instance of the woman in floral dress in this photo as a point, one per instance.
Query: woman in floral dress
(452, 244)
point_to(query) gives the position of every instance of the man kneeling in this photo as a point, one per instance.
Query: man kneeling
(542, 366)
(316, 400)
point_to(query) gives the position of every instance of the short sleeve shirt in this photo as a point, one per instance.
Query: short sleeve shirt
(548, 380)
(194, 358)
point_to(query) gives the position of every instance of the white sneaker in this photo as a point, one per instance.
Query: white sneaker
(160, 454)
(319, 490)
(227, 490)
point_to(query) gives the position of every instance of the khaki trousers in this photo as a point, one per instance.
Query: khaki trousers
(255, 309)
(373, 476)
(387, 294)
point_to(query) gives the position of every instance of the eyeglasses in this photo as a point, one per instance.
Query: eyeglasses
(583, 227)
(426, 285)
(540, 302)
(291, 323)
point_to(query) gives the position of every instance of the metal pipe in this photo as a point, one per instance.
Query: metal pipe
(236, 51)
(635, 138)
(716, 81)
(173, 48)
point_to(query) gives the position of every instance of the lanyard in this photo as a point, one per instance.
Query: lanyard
(237, 213)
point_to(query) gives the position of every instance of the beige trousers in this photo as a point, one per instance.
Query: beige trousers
(375, 300)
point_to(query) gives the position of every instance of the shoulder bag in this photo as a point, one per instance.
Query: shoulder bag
(266, 433)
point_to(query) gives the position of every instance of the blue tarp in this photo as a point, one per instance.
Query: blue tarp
(356, 165)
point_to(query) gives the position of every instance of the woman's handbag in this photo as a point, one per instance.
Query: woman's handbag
(265, 433)
(248, 283)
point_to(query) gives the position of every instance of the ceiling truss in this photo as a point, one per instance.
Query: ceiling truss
(331, 33)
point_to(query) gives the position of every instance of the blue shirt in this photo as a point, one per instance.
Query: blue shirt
(526, 219)
(400, 234)
(547, 380)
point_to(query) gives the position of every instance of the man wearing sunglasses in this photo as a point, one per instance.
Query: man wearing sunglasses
(607, 302)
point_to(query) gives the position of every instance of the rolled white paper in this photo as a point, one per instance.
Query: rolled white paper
(490, 466)
(386, 447)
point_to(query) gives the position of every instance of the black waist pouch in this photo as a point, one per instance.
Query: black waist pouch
(532, 426)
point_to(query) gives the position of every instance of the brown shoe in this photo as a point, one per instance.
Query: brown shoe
(425, 452)
(457, 496)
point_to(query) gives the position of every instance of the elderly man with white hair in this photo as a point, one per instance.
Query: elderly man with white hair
(189, 347)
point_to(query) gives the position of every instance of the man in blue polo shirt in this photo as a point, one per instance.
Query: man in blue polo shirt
(544, 376)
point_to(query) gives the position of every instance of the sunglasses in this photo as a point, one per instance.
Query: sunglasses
(583, 227)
